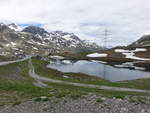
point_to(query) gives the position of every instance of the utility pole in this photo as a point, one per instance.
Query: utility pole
(106, 33)
(105, 37)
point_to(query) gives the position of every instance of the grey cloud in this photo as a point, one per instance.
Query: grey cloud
(127, 20)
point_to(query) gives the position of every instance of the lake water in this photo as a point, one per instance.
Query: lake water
(99, 69)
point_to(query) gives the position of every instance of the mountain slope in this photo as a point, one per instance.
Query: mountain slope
(34, 40)
(142, 42)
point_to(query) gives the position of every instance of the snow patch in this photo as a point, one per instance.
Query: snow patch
(131, 56)
(65, 76)
(57, 57)
(97, 55)
(13, 44)
(130, 53)
(16, 28)
(102, 62)
(127, 51)
(66, 61)
(7, 45)
(130, 65)
(121, 50)
(35, 48)
(140, 49)
(67, 37)
(39, 36)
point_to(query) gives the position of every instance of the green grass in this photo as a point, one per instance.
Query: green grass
(26, 90)
(135, 99)
(15, 91)
(16, 85)
(14, 71)
(39, 99)
(22, 90)
(4, 58)
(99, 100)
(83, 90)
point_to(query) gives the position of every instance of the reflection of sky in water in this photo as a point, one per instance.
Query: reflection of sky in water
(101, 70)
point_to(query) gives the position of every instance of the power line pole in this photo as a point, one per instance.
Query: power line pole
(105, 37)
(106, 33)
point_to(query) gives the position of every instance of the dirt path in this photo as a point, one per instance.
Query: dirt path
(15, 61)
(36, 77)
(39, 82)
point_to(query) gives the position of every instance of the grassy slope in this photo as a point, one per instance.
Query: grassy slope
(15, 71)
(15, 91)
(3, 58)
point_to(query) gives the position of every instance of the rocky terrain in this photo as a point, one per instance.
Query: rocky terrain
(144, 41)
(32, 40)
(85, 104)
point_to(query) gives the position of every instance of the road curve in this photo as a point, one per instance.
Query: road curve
(15, 61)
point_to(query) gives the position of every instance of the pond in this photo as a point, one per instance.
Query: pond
(99, 69)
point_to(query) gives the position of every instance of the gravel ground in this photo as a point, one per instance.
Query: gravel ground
(85, 104)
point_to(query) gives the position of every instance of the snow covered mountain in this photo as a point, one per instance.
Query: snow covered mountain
(32, 40)
(15, 27)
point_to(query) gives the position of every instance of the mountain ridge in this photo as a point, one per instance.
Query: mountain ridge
(144, 41)
(33, 40)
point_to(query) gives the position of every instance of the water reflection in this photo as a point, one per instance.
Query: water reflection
(98, 69)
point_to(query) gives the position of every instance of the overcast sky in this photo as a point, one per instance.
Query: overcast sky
(126, 20)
